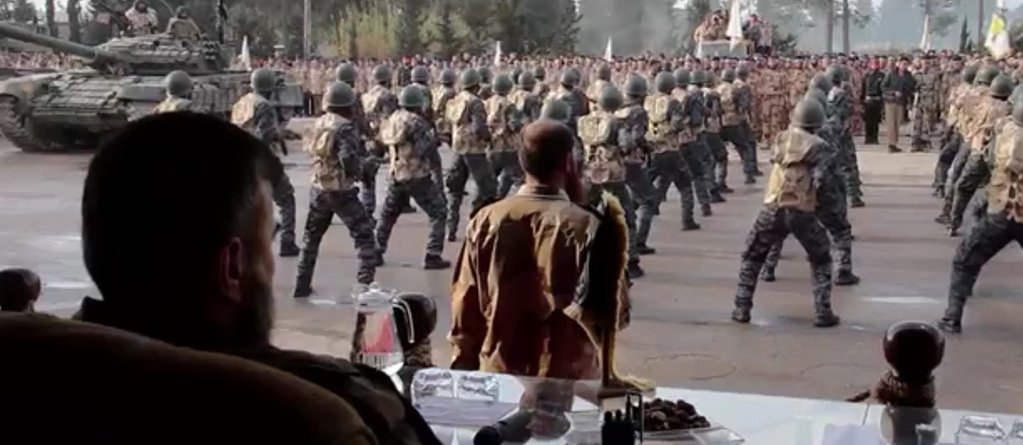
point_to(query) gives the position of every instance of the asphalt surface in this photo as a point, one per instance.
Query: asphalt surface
(680, 335)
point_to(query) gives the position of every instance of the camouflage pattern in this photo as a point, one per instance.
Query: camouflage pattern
(925, 108)
(840, 111)
(336, 149)
(736, 105)
(439, 99)
(605, 137)
(790, 202)
(467, 116)
(172, 104)
(991, 112)
(635, 119)
(773, 89)
(575, 99)
(667, 122)
(410, 139)
(471, 136)
(505, 122)
(716, 162)
(692, 144)
(528, 104)
(378, 103)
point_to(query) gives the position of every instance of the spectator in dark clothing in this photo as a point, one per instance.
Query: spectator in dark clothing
(897, 87)
(177, 229)
(19, 290)
(871, 98)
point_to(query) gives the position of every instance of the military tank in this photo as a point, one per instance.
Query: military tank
(71, 110)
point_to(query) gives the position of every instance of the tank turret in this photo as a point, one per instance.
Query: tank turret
(150, 55)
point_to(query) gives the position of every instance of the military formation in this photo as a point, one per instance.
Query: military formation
(637, 135)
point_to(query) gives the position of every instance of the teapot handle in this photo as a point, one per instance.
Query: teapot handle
(403, 307)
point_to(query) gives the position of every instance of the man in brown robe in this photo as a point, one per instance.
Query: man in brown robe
(532, 295)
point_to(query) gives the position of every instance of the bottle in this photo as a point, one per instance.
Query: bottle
(375, 340)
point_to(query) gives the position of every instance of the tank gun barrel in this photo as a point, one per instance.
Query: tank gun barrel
(88, 52)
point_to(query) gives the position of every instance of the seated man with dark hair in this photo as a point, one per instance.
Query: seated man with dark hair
(19, 290)
(177, 234)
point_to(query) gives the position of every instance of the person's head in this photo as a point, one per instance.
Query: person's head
(263, 82)
(19, 290)
(182, 12)
(546, 154)
(141, 6)
(179, 84)
(181, 249)
(339, 99)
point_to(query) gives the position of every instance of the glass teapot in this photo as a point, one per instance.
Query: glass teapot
(375, 341)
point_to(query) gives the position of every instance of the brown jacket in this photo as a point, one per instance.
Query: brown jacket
(515, 296)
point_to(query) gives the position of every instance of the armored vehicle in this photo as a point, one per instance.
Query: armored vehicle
(72, 110)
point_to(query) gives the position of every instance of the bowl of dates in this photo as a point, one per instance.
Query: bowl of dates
(665, 415)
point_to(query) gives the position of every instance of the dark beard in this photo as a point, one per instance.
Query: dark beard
(256, 319)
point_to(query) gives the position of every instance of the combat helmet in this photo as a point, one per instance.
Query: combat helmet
(420, 75)
(263, 80)
(556, 110)
(969, 74)
(635, 86)
(502, 84)
(339, 94)
(526, 81)
(411, 97)
(808, 114)
(470, 78)
(728, 76)
(570, 78)
(818, 96)
(604, 72)
(1017, 112)
(516, 72)
(610, 98)
(346, 73)
(381, 74)
(836, 74)
(179, 84)
(742, 71)
(485, 74)
(821, 82)
(539, 73)
(681, 78)
(448, 77)
(664, 82)
(698, 78)
(1002, 87)
(985, 75)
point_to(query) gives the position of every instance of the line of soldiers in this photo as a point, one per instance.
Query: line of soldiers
(982, 147)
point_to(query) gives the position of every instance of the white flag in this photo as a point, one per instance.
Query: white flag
(245, 58)
(997, 41)
(734, 31)
(925, 39)
(497, 54)
(609, 54)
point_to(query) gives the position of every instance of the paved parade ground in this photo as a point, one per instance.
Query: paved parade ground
(680, 335)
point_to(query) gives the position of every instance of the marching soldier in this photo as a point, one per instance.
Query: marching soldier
(179, 94)
(953, 136)
(1003, 221)
(699, 153)
(505, 122)
(840, 109)
(527, 102)
(992, 109)
(634, 117)
(336, 150)
(441, 96)
(410, 139)
(486, 90)
(716, 152)
(606, 139)
(569, 92)
(378, 103)
(800, 165)
(469, 141)
(256, 114)
(925, 106)
(693, 112)
(603, 80)
(667, 128)
(556, 110)
(736, 103)
(542, 89)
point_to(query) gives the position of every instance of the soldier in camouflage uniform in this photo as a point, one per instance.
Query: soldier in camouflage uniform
(748, 97)
(734, 106)
(256, 114)
(336, 151)
(486, 91)
(606, 139)
(441, 95)
(378, 103)
(992, 109)
(1003, 220)
(840, 109)
(505, 122)
(952, 137)
(542, 90)
(700, 152)
(570, 93)
(470, 138)
(410, 139)
(790, 206)
(690, 144)
(603, 80)
(556, 110)
(179, 94)
(716, 150)
(668, 128)
(634, 117)
(925, 106)
(421, 79)
(524, 98)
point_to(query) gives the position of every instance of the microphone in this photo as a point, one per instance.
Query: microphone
(513, 428)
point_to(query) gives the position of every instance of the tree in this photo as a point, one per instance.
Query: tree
(477, 15)
(410, 19)
(508, 25)
(50, 9)
(23, 12)
(567, 35)
(445, 35)
(74, 16)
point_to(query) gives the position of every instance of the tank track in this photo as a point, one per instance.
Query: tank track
(13, 129)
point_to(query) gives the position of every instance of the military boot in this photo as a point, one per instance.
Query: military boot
(716, 198)
(435, 262)
(690, 225)
(644, 249)
(750, 180)
(857, 202)
(633, 270)
(952, 322)
(767, 275)
(826, 320)
(846, 277)
(741, 314)
(724, 188)
(288, 249)
(705, 209)
(302, 292)
(452, 237)
(303, 283)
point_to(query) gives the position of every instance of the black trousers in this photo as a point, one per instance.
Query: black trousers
(872, 120)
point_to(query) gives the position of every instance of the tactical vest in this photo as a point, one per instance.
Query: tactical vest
(595, 88)
(730, 115)
(628, 116)
(325, 170)
(243, 114)
(743, 89)
(498, 109)
(970, 101)
(1005, 190)
(441, 96)
(985, 116)
(713, 118)
(371, 106)
(604, 160)
(791, 184)
(521, 100)
(396, 134)
(955, 97)
(463, 139)
(689, 130)
(659, 130)
(172, 104)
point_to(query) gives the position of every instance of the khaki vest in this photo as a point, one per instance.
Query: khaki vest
(463, 139)
(986, 114)
(791, 183)
(325, 169)
(441, 96)
(730, 115)
(1005, 191)
(172, 104)
(406, 163)
(604, 161)
(370, 106)
(498, 110)
(659, 131)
